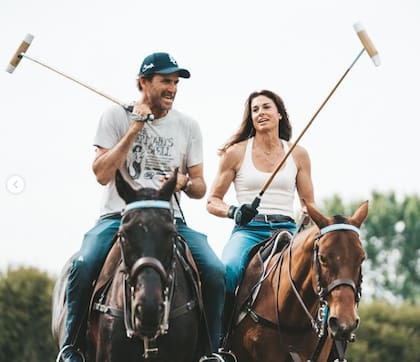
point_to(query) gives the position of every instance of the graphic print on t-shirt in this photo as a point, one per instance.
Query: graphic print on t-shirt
(151, 157)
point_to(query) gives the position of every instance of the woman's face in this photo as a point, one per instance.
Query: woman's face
(264, 113)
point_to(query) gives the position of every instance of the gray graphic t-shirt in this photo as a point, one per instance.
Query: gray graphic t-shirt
(173, 141)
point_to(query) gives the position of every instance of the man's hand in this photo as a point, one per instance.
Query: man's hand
(141, 112)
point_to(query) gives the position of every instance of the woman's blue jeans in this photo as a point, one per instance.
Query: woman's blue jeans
(242, 239)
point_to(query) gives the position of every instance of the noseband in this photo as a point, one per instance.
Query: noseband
(166, 276)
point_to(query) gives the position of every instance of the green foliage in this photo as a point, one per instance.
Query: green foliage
(25, 316)
(334, 206)
(387, 334)
(391, 240)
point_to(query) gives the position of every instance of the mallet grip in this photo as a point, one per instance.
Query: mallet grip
(367, 43)
(17, 56)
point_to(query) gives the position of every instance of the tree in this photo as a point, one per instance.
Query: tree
(25, 316)
(387, 333)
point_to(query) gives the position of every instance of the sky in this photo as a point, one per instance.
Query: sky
(363, 140)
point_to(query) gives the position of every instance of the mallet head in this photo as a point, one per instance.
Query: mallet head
(367, 43)
(18, 55)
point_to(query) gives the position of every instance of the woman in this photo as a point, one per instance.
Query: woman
(247, 160)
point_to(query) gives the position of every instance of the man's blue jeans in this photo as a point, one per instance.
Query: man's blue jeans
(96, 245)
(212, 275)
(242, 239)
(84, 270)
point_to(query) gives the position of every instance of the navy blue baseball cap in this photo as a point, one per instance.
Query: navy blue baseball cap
(161, 63)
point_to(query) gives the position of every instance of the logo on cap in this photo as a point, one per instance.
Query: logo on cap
(146, 67)
(172, 60)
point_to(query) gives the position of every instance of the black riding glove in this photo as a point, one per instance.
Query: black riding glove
(242, 214)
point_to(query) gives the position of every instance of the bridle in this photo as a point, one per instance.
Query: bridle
(319, 324)
(324, 292)
(166, 276)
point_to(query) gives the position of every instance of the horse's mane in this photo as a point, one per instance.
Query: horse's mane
(147, 193)
(339, 219)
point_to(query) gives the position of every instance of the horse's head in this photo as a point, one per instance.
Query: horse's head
(147, 236)
(338, 257)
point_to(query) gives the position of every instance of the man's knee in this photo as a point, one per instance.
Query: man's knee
(82, 270)
(213, 275)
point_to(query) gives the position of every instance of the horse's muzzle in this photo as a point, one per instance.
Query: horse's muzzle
(342, 331)
(147, 318)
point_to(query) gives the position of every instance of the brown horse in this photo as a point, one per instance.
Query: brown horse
(147, 301)
(300, 304)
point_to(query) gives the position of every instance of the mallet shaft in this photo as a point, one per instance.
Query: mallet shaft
(74, 80)
(129, 108)
(292, 147)
(373, 53)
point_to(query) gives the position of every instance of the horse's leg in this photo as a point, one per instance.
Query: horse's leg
(242, 341)
(113, 344)
(180, 343)
(324, 356)
(252, 342)
(104, 347)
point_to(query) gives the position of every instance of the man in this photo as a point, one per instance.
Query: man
(172, 140)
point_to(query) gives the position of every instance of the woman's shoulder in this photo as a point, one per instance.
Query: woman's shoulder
(298, 149)
(234, 154)
(237, 149)
(300, 154)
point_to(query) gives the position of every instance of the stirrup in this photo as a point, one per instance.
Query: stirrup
(220, 356)
(67, 348)
(211, 357)
(229, 354)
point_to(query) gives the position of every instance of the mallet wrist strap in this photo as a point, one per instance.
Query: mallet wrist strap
(231, 211)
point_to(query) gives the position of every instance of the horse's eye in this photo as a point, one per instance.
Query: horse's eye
(322, 260)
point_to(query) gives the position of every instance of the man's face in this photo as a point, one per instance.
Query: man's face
(160, 92)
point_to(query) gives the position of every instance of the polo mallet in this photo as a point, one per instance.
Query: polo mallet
(21, 53)
(373, 53)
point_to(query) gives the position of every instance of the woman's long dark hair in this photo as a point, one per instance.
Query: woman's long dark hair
(247, 130)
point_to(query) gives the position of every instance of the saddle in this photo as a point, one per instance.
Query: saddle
(259, 257)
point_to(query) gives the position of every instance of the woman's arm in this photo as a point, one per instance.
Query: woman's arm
(229, 164)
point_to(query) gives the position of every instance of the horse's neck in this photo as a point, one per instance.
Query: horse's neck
(299, 269)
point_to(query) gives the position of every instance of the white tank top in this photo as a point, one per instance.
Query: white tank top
(279, 196)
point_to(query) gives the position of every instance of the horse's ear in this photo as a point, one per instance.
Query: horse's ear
(319, 219)
(168, 188)
(126, 192)
(360, 214)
